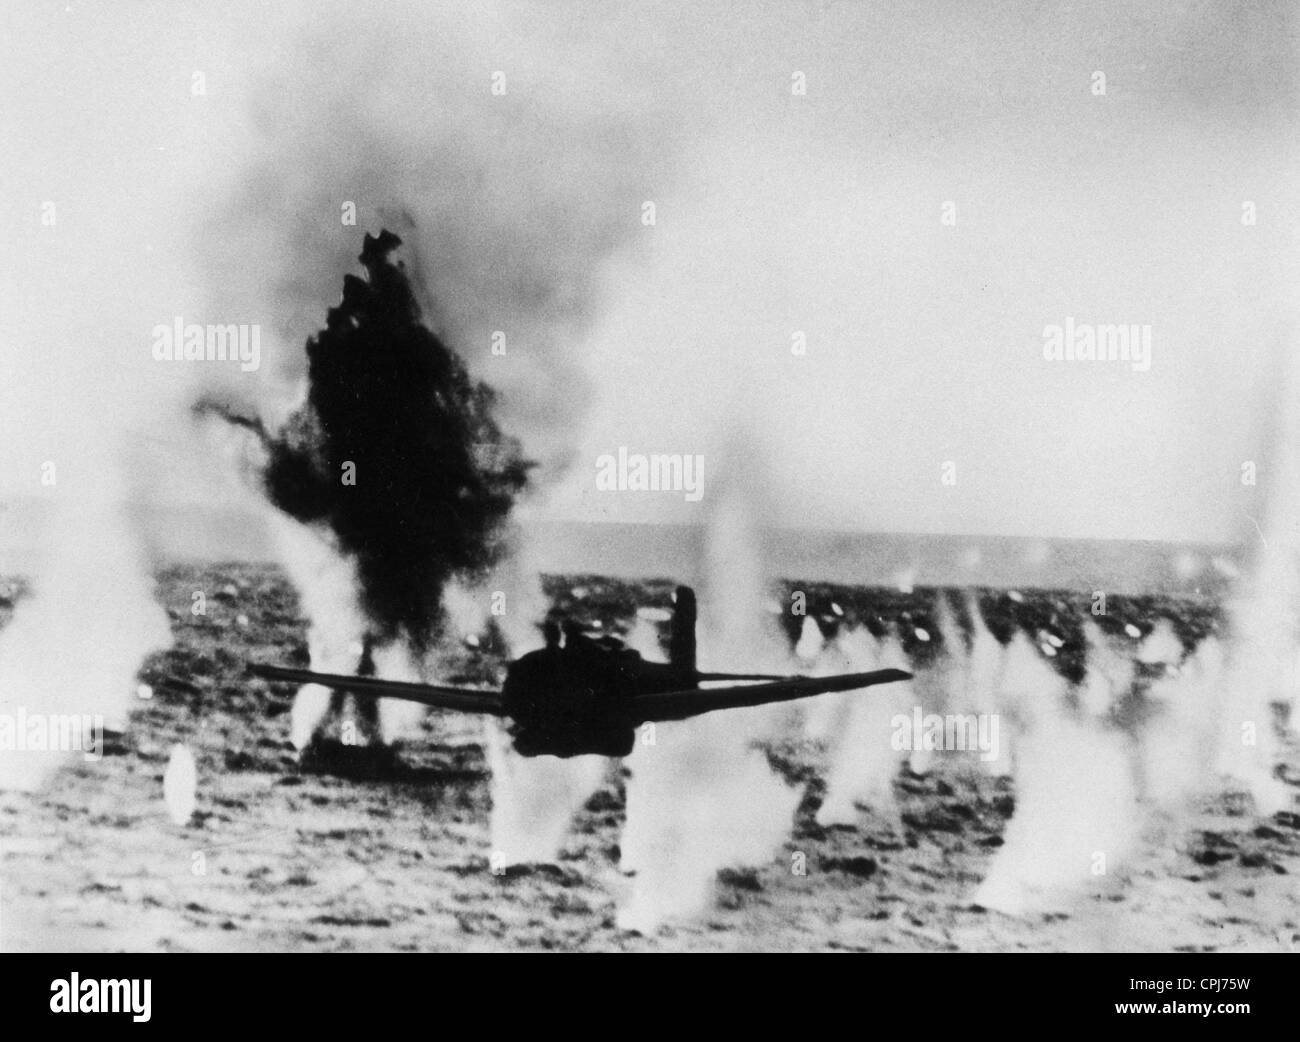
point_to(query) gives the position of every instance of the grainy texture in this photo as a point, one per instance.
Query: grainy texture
(399, 860)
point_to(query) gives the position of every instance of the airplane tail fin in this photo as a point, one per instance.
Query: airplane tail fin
(681, 643)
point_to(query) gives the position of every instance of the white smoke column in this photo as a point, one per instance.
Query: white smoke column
(1263, 613)
(645, 640)
(327, 588)
(954, 658)
(1177, 745)
(941, 684)
(80, 395)
(180, 785)
(814, 656)
(966, 676)
(986, 655)
(1076, 818)
(863, 762)
(1259, 672)
(519, 580)
(534, 799)
(984, 671)
(75, 646)
(399, 718)
(811, 641)
(703, 797)
(1161, 646)
(930, 691)
(1109, 676)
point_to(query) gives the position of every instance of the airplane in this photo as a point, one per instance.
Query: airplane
(588, 695)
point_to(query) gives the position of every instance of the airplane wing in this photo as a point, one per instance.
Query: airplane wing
(462, 699)
(679, 705)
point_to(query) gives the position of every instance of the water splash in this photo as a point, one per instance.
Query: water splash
(180, 785)
(73, 647)
(702, 796)
(1076, 819)
(862, 760)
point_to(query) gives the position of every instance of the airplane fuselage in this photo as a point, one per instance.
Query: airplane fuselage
(571, 700)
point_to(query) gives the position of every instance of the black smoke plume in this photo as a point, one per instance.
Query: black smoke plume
(392, 407)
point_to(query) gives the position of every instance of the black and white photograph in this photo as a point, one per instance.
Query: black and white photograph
(780, 476)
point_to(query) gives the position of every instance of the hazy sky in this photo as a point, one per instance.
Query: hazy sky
(775, 213)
